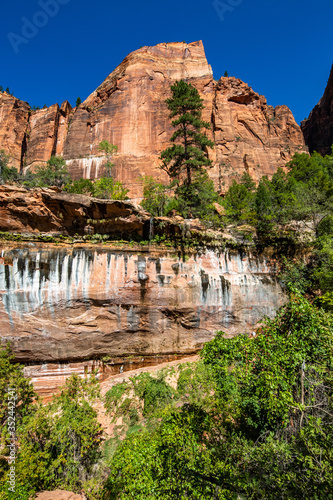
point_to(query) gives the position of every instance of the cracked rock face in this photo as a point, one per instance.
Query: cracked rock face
(128, 109)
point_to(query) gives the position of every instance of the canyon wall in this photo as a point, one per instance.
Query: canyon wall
(62, 307)
(128, 109)
(318, 128)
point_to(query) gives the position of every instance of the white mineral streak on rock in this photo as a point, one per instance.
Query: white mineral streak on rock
(72, 304)
(67, 305)
(40, 278)
(91, 166)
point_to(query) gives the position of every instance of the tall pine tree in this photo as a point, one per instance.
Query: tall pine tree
(188, 155)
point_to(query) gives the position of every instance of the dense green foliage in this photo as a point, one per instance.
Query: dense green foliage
(194, 201)
(105, 188)
(304, 193)
(260, 428)
(59, 443)
(80, 186)
(55, 173)
(108, 188)
(293, 204)
(7, 174)
(156, 196)
(11, 376)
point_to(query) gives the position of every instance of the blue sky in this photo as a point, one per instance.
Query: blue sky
(282, 49)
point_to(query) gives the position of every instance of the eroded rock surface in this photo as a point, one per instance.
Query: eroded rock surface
(46, 133)
(250, 136)
(52, 211)
(82, 303)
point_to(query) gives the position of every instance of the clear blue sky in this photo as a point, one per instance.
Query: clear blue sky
(281, 48)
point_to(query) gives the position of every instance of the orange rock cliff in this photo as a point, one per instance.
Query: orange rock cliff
(128, 109)
(318, 128)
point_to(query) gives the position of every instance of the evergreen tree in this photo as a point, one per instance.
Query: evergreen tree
(78, 102)
(188, 155)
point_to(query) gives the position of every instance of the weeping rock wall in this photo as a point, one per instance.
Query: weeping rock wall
(128, 109)
(62, 307)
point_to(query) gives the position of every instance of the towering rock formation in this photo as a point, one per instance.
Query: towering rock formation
(46, 133)
(318, 128)
(129, 110)
(14, 116)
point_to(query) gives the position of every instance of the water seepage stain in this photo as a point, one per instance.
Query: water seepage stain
(225, 285)
(204, 283)
(175, 268)
(161, 279)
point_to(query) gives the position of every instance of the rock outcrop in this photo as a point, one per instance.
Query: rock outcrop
(14, 116)
(318, 128)
(66, 306)
(51, 211)
(128, 109)
(71, 304)
(249, 135)
(46, 133)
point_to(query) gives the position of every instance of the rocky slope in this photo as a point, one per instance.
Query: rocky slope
(318, 128)
(128, 109)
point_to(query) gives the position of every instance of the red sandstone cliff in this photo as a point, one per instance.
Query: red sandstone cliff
(128, 109)
(318, 128)
(14, 115)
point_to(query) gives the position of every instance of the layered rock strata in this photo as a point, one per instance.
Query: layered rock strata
(51, 211)
(128, 109)
(62, 304)
(318, 128)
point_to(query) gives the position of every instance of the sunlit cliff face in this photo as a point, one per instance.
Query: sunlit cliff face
(72, 304)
